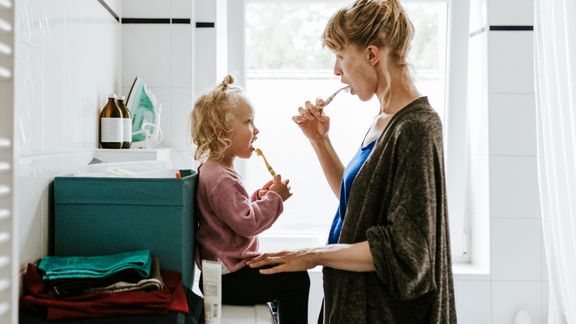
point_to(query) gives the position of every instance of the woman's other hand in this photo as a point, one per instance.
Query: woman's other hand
(281, 187)
(286, 261)
(312, 121)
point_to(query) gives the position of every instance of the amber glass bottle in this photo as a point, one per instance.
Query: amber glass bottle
(111, 125)
(126, 123)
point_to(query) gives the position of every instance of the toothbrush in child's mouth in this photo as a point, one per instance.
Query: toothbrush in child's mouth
(259, 152)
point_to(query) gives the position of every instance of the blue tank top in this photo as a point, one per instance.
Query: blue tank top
(347, 179)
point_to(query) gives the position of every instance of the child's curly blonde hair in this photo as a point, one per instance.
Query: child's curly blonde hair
(209, 120)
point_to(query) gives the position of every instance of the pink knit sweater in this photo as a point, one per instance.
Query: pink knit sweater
(230, 219)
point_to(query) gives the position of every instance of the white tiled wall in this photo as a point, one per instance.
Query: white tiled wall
(67, 62)
(517, 278)
(510, 55)
(510, 12)
(473, 301)
(162, 55)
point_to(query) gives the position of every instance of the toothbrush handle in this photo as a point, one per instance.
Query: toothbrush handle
(272, 173)
(269, 167)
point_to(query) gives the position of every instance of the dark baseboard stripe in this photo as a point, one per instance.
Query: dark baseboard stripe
(109, 10)
(511, 28)
(204, 24)
(478, 32)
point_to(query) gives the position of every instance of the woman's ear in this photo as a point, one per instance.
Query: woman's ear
(373, 52)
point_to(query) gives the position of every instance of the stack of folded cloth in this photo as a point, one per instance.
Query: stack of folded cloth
(128, 283)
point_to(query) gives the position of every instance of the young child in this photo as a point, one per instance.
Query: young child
(223, 129)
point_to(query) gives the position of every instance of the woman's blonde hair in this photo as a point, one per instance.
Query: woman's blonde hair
(209, 120)
(382, 23)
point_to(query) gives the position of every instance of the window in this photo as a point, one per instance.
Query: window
(285, 65)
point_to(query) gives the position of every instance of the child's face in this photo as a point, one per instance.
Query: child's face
(243, 131)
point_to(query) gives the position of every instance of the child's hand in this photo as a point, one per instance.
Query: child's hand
(265, 188)
(281, 187)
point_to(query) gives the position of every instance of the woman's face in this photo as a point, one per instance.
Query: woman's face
(243, 131)
(356, 68)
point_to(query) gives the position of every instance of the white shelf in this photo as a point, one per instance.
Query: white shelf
(130, 155)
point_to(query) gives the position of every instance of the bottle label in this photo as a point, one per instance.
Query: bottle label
(127, 130)
(111, 130)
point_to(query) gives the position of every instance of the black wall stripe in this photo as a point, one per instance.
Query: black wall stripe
(511, 28)
(156, 20)
(181, 20)
(204, 24)
(109, 10)
(145, 20)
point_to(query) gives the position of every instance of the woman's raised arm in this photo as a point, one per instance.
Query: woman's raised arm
(315, 125)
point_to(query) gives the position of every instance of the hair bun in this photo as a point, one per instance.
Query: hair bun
(228, 79)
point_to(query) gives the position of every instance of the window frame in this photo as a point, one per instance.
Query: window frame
(455, 117)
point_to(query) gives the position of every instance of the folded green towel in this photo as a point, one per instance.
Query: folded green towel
(57, 267)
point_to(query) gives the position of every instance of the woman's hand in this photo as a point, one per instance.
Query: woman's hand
(281, 187)
(312, 121)
(286, 261)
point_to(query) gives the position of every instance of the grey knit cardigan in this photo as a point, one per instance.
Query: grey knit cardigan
(398, 204)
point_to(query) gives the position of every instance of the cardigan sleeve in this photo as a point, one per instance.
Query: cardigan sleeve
(403, 249)
(245, 216)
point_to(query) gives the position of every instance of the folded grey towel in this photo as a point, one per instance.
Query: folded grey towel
(153, 283)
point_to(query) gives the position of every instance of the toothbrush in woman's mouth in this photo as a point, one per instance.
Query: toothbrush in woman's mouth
(300, 119)
(259, 152)
(329, 99)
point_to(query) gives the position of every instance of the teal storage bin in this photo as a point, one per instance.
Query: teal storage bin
(98, 216)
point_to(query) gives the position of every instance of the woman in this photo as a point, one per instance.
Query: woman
(392, 262)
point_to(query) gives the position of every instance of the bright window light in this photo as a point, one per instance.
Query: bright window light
(287, 65)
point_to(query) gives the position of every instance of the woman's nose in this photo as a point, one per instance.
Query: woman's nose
(256, 131)
(337, 70)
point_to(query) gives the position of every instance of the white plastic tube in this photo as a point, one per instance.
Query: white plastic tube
(212, 286)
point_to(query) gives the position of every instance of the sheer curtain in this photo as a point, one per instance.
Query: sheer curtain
(555, 74)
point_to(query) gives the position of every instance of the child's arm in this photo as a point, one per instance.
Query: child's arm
(232, 204)
(277, 185)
